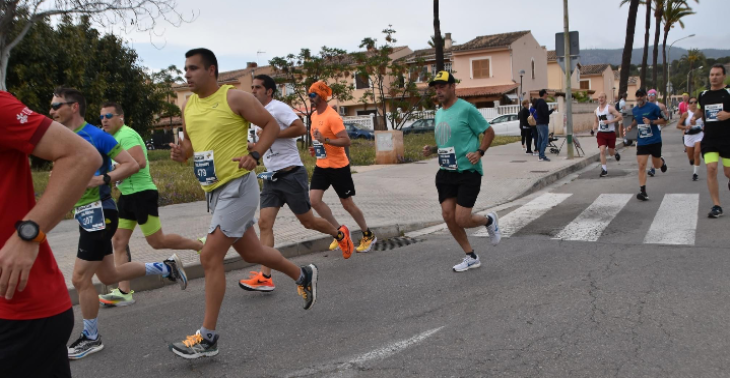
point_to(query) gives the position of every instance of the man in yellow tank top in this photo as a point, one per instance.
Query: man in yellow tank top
(215, 128)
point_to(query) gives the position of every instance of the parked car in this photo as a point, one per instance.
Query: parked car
(420, 126)
(358, 131)
(506, 125)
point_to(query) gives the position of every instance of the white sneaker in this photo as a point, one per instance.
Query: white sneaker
(495, 235)
(467, 263)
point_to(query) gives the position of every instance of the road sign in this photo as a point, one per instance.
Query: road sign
(560, 44)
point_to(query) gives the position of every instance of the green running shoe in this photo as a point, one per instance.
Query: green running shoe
(116, 299)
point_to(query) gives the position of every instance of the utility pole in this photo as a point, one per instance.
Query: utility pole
(568, 89)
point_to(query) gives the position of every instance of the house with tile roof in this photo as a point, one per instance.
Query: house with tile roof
(598, 78)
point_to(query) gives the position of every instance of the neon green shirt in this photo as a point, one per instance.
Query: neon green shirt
(140, 181)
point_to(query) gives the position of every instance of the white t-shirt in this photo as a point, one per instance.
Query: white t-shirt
(283, 152)
(603, 116)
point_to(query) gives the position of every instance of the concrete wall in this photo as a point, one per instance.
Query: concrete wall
(500, 72)
(524, 51)
(556, 77)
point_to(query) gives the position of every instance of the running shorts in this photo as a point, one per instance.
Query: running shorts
(140, 208)
(654, 149)
(233, 206)
(607, 139)
(290, 188)
(339, 178)
(464, 186)
(95, 245)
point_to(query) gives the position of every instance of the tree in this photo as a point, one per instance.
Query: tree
(394, 90)
(692, 57)
(675, 11)
(628, 47)
(299, 72)
(658, 14)
(76, 55)
(438, 39)
(18, 16)
(644, 57)
(164, 79)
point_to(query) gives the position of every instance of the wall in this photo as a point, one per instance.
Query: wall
(501, 68)
(524, 50)
(556, 77)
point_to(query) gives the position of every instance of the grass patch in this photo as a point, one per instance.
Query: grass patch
(177, 183)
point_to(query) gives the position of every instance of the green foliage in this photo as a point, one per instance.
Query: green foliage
(394, 90)
(76, 55)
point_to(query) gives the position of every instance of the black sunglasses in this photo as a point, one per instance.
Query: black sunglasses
(107, 116)
(693, 102)
(312, 95)
(58, 105)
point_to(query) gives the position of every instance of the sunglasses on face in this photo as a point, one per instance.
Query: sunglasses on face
(693, 102)
(312, 95)
(58, 105)
(107, 116)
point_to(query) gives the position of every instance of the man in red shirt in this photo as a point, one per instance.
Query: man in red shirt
(36, 318)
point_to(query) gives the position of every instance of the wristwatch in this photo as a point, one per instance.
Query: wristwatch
(481, 152)
(326, 140)
(256, 156)
(107, 179)
(29, 231)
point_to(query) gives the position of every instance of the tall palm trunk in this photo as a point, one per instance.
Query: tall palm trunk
(664, 63)
(437, 37)
(659, 12)
(645, 57)
(628, 46)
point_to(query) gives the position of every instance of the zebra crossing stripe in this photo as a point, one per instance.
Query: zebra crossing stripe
(591, 223)
(519, 218)
(676, 221)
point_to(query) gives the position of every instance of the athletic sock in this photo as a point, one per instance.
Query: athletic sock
(368, 233)
(489, 221)
(156, 269)
(604, 167)
(340, 235)
(122, 291)
(694, 168)
(302, 277)
(472, 255)
(643, 188)
(265, 275)
(208, 334)
(91, 328)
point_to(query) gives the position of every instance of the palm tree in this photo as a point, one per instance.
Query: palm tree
(658, 14)
(693, 56)
(673, 13)
(438, 40)
(628, 46)
(645, 56)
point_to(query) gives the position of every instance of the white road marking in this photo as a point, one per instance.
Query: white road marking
(591, 223)
(521, 217)
(676, 221)
(349, 369)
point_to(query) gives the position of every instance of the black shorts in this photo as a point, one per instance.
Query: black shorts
(464, 186)
(95, 245)
(290, 188)
(721, 147)
(339, 178)
(36, 348)
(138, 206)
(654, 149)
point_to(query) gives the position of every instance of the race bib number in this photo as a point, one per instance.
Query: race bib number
(602, 126)
(267, 176)
(645, 131)
(319, 150)
(711, 112)
(205, 168)
(447, 158)
(91, 217)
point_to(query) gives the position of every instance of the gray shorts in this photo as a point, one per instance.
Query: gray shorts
(233, 206)
(290, 188)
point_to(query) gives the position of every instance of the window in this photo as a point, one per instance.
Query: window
(533, 69)
(585, 84)
(480, 68)
(362, 82)
(419, 73)
(447, 68)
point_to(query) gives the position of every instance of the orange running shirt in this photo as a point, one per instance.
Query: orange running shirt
(329, 124)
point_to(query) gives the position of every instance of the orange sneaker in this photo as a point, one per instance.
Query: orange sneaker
(257, 282)
(346, 244)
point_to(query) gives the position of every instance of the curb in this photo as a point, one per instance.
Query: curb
(321, 244)
(195, 270)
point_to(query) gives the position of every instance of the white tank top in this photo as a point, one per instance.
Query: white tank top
(603, 116)
(698, 122)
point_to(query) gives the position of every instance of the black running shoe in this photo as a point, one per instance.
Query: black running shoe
(308, 289)
(195, 346)
(177, 273)
(716, 212)
(83, 347)
(651, 172)
(695, 177)
(604, 173)
(617, 156)
(642, 196)
(664, 165)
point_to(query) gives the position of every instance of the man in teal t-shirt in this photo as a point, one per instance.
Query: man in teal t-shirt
(458, 127)
(137, 204)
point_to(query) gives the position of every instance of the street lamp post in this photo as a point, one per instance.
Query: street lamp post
(689, 83)
(522, 73)
(568, 89)
(669, 68)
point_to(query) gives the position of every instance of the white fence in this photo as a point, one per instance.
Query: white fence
(366, 121)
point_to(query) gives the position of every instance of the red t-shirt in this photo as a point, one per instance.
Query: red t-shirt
(21, 129)
(682, 107)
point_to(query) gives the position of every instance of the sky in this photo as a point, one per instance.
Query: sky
(240, 31)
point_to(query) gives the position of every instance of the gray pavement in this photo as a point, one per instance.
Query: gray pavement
(403, 195)
(538, 307)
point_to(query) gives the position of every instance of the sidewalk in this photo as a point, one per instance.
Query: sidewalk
(394, 198)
